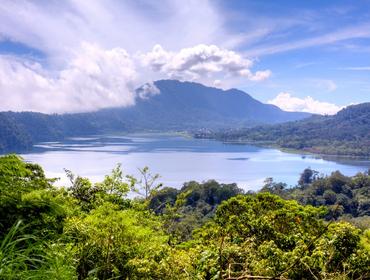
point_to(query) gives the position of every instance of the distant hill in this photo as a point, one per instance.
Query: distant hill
(20, 130)
(12, 135)
(178, 106)
(346, 133)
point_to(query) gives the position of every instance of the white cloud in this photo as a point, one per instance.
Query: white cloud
(58, 27)
(147, 90)
(346, 33)
(260, 75)
(201, 62)
(94, 79)
(217, 83)
(290, 103)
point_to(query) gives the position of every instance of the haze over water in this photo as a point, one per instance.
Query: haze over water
(180, 159)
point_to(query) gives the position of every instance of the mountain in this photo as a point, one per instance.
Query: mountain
(346, 133)
(187, 105)
(176, 106)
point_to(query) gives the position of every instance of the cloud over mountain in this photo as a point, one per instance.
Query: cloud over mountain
(228, 44)
(93, 55)
(290, 103)
(97, 78)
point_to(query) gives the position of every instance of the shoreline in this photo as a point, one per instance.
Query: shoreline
(291, 150)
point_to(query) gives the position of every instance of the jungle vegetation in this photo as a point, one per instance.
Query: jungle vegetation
(203, 231)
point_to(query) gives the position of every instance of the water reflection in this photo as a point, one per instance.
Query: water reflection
(179, 159)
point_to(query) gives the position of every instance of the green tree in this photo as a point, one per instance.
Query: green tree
(147, 185)
(26, 194)
(126, 244)
(113, 188)
(264, 235)
(307, 177)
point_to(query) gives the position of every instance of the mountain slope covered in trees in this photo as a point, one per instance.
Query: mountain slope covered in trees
(187, 105)
(346, 133)
(176, 106)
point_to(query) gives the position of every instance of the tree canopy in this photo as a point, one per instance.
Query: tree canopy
(202, 231)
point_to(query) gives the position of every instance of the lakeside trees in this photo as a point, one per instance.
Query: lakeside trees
(350, 195)
(203, 231)
(346, 133)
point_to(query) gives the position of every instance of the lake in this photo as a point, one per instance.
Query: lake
(179, 159)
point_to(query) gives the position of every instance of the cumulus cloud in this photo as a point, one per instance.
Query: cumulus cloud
(217, 83)
(201, 61)
(95, 78)
(147, 90)
(260, 75)
(290, 103)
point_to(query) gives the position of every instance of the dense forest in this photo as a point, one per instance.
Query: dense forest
(202, 231)
(20, 130)
(346, 133)
(347, 198)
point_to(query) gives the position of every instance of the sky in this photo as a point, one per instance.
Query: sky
(78, 56)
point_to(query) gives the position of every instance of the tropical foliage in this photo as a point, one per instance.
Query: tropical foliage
(202, 231)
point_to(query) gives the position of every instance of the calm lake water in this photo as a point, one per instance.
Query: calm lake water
(179, 159)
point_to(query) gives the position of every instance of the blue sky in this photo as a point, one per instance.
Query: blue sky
(72, 56)
(328, 41)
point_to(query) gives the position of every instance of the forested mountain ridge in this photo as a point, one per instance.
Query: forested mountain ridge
(12, 135)
(176, 106)
(20, 130)
(188, 105)
(346, 133)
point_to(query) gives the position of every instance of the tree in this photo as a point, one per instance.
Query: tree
(264, 235)
(122, 244)
(147, 185)
(307, 177)
(82, 190)
(26, 194)
(113, 188)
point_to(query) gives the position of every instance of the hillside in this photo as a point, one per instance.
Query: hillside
(20, 130)
(178, 106)
(346, 133)
(12, 136)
